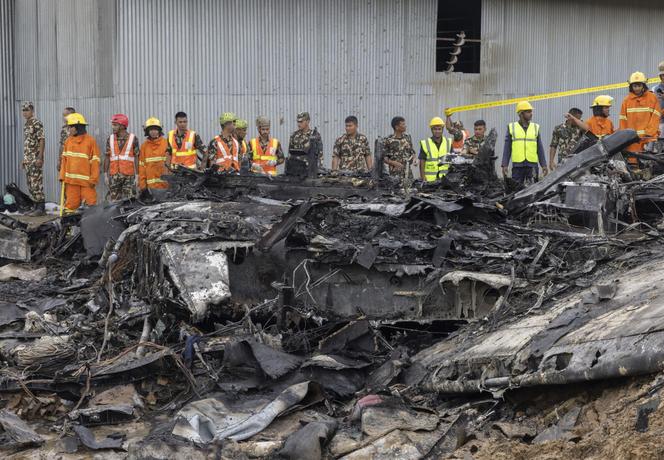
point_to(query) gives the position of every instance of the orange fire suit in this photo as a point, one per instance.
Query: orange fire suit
(600, 126)
(152, 164)
(642, 114)
(79, 171)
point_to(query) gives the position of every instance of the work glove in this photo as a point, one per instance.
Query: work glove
(272, 163)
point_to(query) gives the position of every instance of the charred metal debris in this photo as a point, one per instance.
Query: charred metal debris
(320, 315)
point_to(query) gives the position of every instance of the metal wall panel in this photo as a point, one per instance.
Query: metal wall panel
(370, 58)
(9, 155)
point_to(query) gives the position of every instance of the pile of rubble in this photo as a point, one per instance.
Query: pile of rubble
(338, 316)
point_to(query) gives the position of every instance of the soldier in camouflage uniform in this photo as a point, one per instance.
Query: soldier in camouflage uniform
(351, 151)
(120, 174)
(398, 149)
(471, 146)
(565, 137)
(64, 133)
(33, 156)
(301, 139)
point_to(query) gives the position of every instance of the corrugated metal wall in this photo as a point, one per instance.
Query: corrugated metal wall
(8, 130)
(371, 58)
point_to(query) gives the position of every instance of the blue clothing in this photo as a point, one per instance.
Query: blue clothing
(659, 92)
(521, 175)
(507, 153)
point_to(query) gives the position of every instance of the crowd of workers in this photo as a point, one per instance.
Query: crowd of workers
(128, 165)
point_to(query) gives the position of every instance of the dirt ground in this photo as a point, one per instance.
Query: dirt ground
(605, 428)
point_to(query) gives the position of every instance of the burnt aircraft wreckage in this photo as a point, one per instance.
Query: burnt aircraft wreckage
(318, 313)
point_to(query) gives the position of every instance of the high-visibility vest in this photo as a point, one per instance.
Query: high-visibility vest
(457, 146)
(227, 158)
(122, 160)
(185, 155)
(261, 157)
(524, 143)
(432, 169)
(152, 164)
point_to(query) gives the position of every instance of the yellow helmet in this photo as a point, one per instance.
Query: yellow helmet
(152, 121)
(602, 101)
(637, 77)
(523, 106)
(241, 124)
(436, 121)
(76, 119)
(226, 117)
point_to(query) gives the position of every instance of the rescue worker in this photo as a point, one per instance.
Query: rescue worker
(640, 111)
(659, 92)
(523, 146)
(185, 147)
(301, 138)
(265, 152)
(564, 139)
(33, 157)
(224, 149)
(152, 157)
(241, 135)
(351, 151)
(599, 124)
(80, 165)
(459, 135)
(472, 145)
(432, 151)
(398, 152)
(121, 160)
(64, 132)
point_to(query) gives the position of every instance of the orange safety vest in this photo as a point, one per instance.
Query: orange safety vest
(261, 157)
(152, 164)
(122, 161)
(457, 146)
(185, 155)
(80, 161)
(226, 158)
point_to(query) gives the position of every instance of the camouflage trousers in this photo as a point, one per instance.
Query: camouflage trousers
(121, 187)
(35, 176)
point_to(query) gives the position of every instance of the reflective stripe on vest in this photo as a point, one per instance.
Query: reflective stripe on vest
(261, 158)
(432, 169)
(122, 161)
(524, 143)
(223, 154)
(186, 154)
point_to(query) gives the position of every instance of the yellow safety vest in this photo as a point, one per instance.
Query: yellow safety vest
(524, 143)
(432, 169)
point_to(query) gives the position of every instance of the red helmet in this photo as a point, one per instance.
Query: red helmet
(120, 119)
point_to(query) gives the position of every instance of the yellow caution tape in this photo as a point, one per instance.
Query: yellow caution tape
(540, 97)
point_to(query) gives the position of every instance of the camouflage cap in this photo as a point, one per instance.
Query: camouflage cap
(457, 125)
(262, 122)
(303, 116)
(241, 124)
(27, 105)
